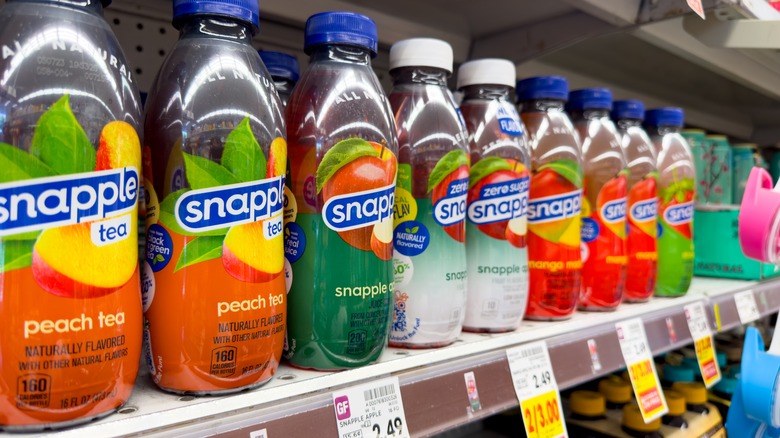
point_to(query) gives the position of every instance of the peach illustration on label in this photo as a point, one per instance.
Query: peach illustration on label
(249, 256)
(277, 158)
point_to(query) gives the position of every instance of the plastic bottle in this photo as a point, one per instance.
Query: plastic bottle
(676, 190)
(216, 305)
(554, 258)
(284, 70)
(642, 201)
(498, 197)
(430, 201)
(342, 150)
(70, 307)
(604, 200)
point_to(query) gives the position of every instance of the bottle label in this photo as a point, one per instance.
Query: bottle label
(345, 223)
(69, 237)
(675, 237)
(554, 258)
(509, 121)
(642, 232)
(429, 295)
(220, 241)
(604, 245)
(497, 244)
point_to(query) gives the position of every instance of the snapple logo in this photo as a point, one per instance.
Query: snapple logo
(555, 208)
(451, 208)
(500, 202)
(358, 210)
(679, 214)
(644, 211)
(614, 211)
(32, 205)
(229, 205)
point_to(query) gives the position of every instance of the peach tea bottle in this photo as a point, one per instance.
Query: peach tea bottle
(343, 163)
(70, 303)
(214, 287)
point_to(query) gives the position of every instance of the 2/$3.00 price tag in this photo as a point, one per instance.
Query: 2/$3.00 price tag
(702, 341)
(373, 410)
(641, 369)
(537, 390)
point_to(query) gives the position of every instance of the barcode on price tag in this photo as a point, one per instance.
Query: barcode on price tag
(746, 306)
(702, 341)
(537, 390)
(371, 410)
(641, 368)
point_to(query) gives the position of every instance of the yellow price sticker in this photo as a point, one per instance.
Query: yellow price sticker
(705, 354)
(646, 387)
(542, 416)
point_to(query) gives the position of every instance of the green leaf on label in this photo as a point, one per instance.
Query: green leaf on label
(446, 165)
(408, 230)
(568, 169)
(200, 249)
(30, 235)
(61, 143)
(341, 154)
(158, 258)
(17, 254)
(17, 165)
(243, 156)
(203, 173)
(485, 167)
(168, 216)
(679, 197)
(415, 230)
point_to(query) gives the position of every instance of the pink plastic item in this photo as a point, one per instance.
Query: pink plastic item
(759, 220)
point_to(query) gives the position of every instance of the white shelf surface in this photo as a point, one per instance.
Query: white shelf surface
(300, 401)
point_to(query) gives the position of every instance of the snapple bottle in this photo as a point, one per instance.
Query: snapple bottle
(676, 192)
(70, 302)
(498, 197)
(603, 200)
(284, 70)
(430, 198)
(343, 161)
(642, 200)
(214, 287)
(555, 197)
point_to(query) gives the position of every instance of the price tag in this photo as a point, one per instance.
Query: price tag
(702, 341)
(537, 390)
(371, 410)
(697, 7)
(641, 368)
(746, 306)
(258, 434)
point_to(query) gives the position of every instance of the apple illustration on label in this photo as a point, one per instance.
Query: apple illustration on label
(451, 167)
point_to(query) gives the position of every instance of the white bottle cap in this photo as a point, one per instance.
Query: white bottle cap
(421, 52)
(487, 71)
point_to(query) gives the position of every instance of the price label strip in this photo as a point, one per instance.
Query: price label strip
(746, 307)
(537, 390)
(641, 369)
(372, 410)
(702, 341)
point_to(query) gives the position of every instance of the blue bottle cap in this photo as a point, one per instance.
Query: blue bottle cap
(543, 87)
(628, 109)
(678, 373)
(244, 10)
(280, 65)
(667, 116)
(590, 98)
(340, 27)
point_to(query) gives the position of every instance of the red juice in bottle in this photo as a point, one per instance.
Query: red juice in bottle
(642, 201)
(554, 259)
(603, 200)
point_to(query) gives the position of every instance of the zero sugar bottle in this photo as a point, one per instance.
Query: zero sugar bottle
(430, 201)
(343, 161)
(498, 197)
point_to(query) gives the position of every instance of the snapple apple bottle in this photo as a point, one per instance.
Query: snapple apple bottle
(430, 198)
(642, 200)
(214, 287)
(70, 302)
(554, 259)
(284, 70)
(605, 188)
(498, 197)
(343, 161)
(676, 192)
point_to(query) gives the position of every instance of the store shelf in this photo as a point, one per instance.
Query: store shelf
(298, 403)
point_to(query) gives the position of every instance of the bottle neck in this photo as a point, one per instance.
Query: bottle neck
(487, 92)
(283, 84)
(589, 114)
(420, 75)
(629, 123)
(216, 27)
(346, 53)
(543, 105)
(663, 130)
(95, 6)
